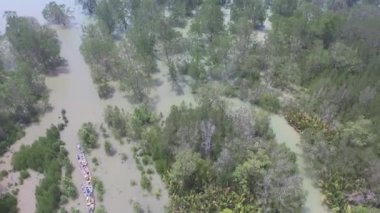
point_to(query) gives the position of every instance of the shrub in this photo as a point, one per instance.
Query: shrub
(8, 203)
(101, 209)
(145, 160)
(69, 188)
(24, 174)
(108, 148)
(105, 91)
(116, 120)
(99, 187)
(269, 102)
(88, 136)
(3, 173)
(124, 157)
(145, 183)
(137, 208)
(158, 194)
(142, 117)
(95, 161)
(150, 171)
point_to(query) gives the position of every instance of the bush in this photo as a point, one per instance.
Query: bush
(108, 148)
(145, 160)
(99, 187)
(57, 14)
(142, 117)
(69, 188)
(158, 193)
(145, 183)
(269, 102)
(3, 173)
(8, 203)
(88, 136)
(137, 208)
(24, 174)
(150, 171)
(116, 120)
(105, 91)
(101, 209)
(46, 154)
(95, 161)
(124, 157)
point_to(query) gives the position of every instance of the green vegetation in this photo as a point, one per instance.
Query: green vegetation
(68, 188)
(335, 57)
(204, 151)
(108, 148)
(35, 44)
(145, 183)
(99, 188)
(3, 174)
(252, 9)
(36, 52)
(8, 203)
(321, 58)
(88, 136)
(88, 5)
(48, 156)
(57, 14)
(24, 174)
(137, 208)
(141, 118)
(117, 120)
(124, 157)
(101, 209)
(95, 161)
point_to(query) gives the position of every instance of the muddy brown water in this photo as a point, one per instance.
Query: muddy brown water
(75, 92)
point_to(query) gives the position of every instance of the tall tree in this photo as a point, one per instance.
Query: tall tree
(209, 21)
(88, 5)
(33, 43)
(252, 9)
(284, 7)
(57, 14)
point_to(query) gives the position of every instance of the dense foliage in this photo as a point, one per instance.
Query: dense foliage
(88, 136)
(23, 94)
(38, 45)
(116, 119)
(8, 203)
(213, 159)
(332, 50)
(320, 61)
(57, 13)
(48, 156)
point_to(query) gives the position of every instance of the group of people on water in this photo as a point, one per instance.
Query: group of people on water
(87, 187)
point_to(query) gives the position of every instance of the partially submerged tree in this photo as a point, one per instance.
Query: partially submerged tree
(33, 43)
(57, 13)
(88, 5)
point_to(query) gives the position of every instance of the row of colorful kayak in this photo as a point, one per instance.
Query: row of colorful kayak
(87, 188)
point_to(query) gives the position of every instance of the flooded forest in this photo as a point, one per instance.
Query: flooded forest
(190, 106)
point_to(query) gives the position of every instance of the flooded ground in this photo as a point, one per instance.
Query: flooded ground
(74, 91)
(286, 134)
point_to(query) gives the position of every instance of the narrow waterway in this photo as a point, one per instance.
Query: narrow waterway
(74, 91)
(284, 133)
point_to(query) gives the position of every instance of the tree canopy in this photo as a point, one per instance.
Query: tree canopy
(57, 13)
